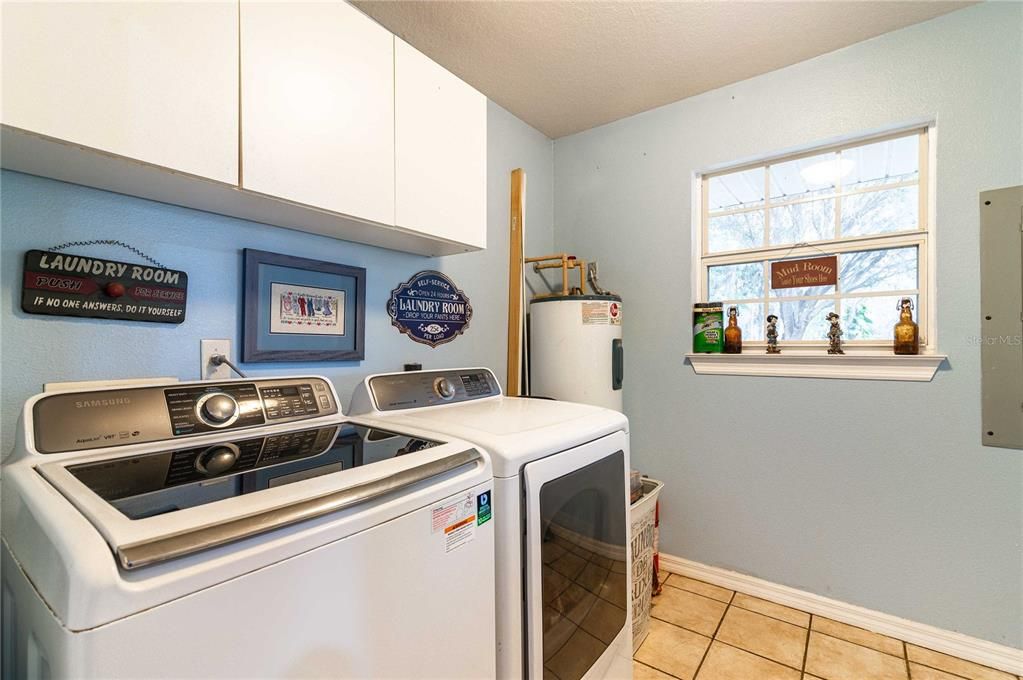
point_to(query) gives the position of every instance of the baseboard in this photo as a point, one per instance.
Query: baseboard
(1002, 657)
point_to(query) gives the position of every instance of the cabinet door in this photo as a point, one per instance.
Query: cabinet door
(441, 145)
(318, 107)
(152, 81)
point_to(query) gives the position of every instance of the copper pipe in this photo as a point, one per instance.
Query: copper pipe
(562, 261)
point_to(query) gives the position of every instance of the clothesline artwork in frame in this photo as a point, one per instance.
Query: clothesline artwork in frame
(306, 310)
(298, 309)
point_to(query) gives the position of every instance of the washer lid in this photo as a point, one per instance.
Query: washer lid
(150, 484)
(154, 507)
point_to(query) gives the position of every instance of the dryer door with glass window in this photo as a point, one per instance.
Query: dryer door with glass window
(578, 619)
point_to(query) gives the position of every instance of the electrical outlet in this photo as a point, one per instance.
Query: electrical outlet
(209, 348)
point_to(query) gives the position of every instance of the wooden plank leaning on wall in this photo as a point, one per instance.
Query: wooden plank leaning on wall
(516, 316)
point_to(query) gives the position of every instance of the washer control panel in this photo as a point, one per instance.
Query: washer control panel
(415, 389)
(78, 421)
(198, 409)
(291, 400)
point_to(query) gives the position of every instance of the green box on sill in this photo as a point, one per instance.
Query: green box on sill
(708, 328)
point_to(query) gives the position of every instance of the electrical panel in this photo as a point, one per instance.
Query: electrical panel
(1001, 341)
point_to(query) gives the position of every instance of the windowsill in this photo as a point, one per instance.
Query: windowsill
(802, 363)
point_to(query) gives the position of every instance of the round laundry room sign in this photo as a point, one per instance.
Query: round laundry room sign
(429, 308)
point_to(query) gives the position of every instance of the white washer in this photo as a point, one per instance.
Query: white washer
(561, 509)
(243, 529)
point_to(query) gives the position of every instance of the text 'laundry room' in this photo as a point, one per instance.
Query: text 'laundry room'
(401, 339)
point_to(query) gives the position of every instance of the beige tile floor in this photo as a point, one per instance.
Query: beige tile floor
(700, 631)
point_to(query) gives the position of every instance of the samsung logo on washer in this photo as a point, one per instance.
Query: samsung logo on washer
(95, 403)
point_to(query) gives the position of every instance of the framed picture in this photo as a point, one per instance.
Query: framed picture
(298, 309)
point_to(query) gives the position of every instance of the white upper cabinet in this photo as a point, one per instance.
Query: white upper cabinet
(325, 120)
(318, 107)
(151, 81)
(441, 150)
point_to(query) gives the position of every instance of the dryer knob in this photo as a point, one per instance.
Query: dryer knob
(219, 408)
(444, 388)
(217, 459)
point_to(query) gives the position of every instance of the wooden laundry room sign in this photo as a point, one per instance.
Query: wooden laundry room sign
(73, 285)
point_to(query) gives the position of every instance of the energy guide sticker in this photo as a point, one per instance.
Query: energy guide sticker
(596, 313)
(457, 520)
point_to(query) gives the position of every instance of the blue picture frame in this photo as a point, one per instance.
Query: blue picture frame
(280, 322)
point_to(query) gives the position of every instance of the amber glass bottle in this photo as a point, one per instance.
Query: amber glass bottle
(733, 334)
(907, 333)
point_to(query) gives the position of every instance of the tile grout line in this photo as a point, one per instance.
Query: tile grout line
(759, 656)
(955, 675)
(747, 609)
(707, 597)
(694, 592)
(635, 661)
(713, 637)
(806, 646)
(835, 637)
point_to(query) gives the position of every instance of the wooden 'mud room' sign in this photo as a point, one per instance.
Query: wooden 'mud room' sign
(811, 271)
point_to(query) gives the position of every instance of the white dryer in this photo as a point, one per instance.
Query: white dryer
(241, 529)
(561, 508)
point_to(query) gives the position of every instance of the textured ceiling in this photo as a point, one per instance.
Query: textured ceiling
(568, 66)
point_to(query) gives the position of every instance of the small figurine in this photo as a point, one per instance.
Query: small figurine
(733, 334)
(907, 333)
(772, 335)
(834, 334)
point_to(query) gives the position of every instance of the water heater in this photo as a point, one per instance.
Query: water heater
(575, 349)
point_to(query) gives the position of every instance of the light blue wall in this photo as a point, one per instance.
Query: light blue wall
(878, 494)
(38, 213)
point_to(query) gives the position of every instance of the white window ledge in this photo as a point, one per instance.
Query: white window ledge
(861, 365)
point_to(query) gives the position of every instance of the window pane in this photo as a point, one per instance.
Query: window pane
(880, 212)
(894, 160)
(800, 222)
(802, 319)
(878, 270)
(751, 320)
(735, 232)
(736, 281)
(738, 190)
(872, 318)
(805, 177)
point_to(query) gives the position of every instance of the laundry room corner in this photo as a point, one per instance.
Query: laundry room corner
(850, 489)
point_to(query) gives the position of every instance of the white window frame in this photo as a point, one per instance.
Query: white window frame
(923, 237)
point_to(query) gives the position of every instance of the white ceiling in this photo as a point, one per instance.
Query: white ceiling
(566, 66)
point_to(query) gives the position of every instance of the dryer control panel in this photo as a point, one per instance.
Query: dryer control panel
(78, 421)
(414, 389)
